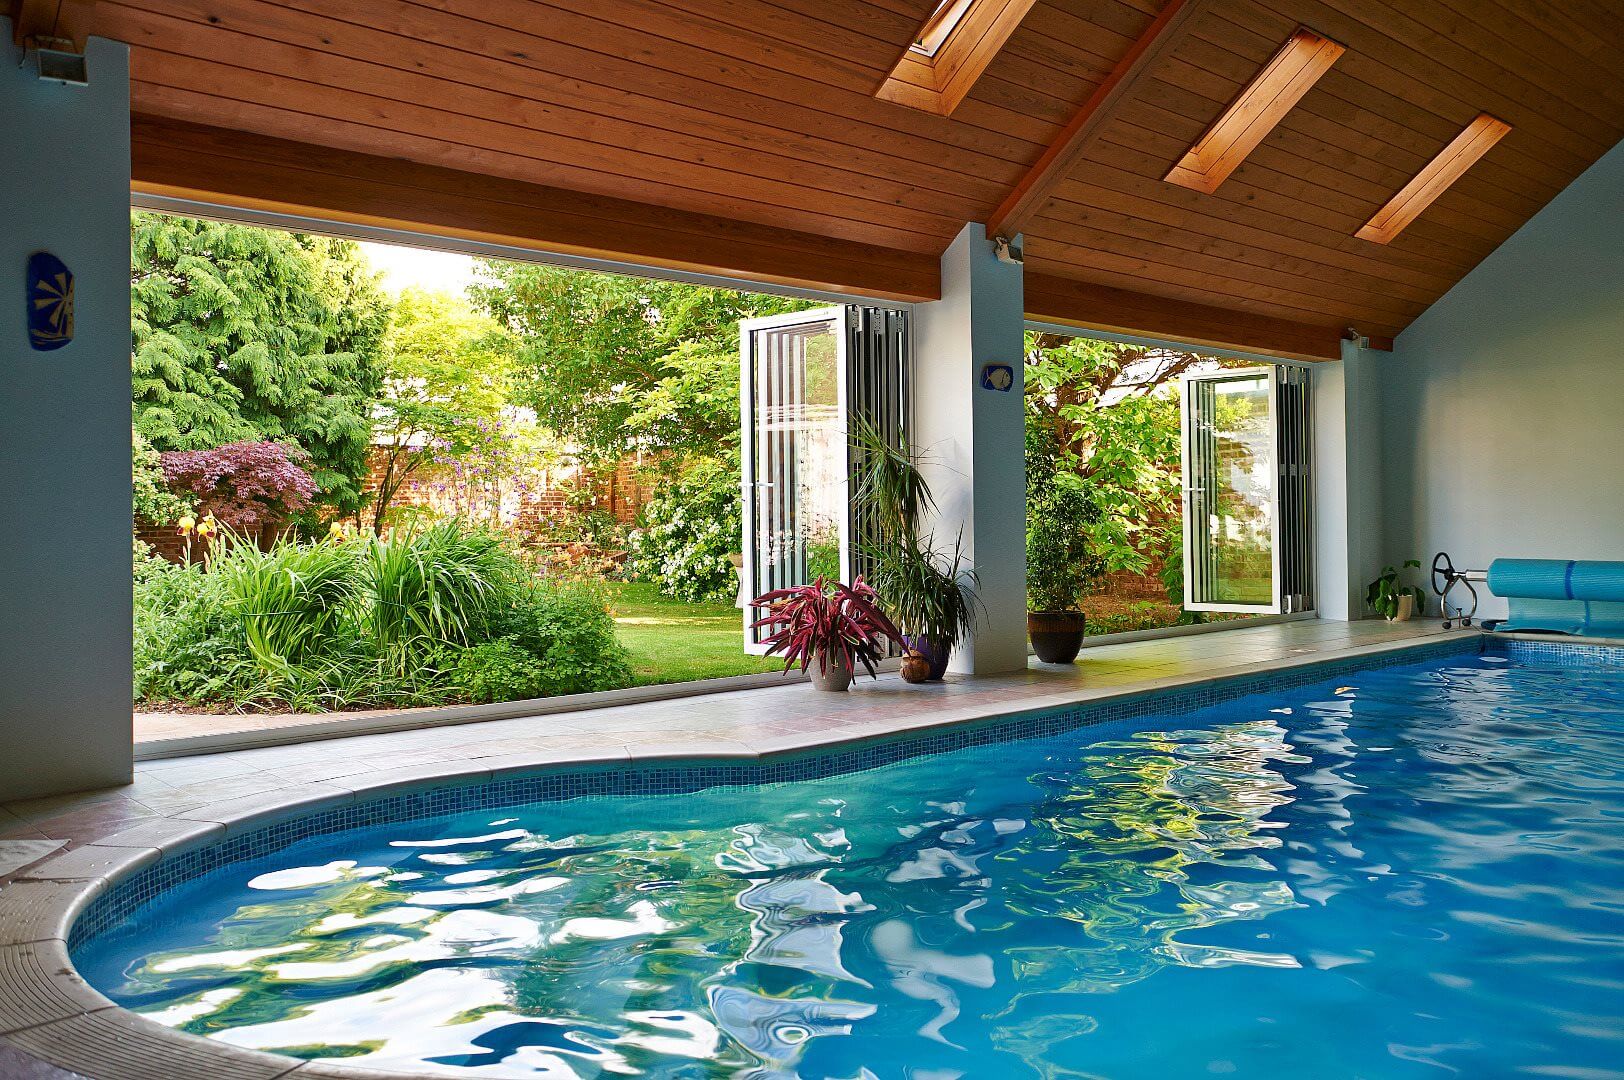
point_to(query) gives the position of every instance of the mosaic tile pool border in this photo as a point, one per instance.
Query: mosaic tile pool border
(1558, 653)
(124, 898)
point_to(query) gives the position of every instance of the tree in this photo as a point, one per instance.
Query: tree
(447, 376)
(612, 364)
(1111, 414)
(245, 486)
(242, 334)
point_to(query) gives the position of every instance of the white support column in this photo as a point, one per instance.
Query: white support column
(972, 438)
(64, 431)
(1347, 489)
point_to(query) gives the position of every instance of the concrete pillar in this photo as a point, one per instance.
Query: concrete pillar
(972, 438)
(1347, 488)
(65, 431)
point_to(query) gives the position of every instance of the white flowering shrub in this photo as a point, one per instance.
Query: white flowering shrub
(687, 532)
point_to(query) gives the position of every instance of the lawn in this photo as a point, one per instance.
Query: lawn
(673, 641)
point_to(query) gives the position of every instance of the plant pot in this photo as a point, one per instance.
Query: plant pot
(1057, 636)
(1406, 607)
(936, 652)
(831, 676)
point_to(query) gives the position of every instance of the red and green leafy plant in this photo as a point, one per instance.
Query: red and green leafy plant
(825, 620)
(245, 486)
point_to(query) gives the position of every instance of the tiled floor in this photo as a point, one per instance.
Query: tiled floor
(176, 800)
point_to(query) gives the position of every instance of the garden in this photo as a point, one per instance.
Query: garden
(353, 498)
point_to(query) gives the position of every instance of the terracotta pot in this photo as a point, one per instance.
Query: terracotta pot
(1057, 636)
(831, 676)
(936, 652)
(915, 668)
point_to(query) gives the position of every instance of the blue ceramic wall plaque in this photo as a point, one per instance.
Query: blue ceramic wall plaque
(997, 377)
(50, 302)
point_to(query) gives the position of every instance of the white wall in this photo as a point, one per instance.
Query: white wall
(972, 439)
(64, 433)
(1503, 404)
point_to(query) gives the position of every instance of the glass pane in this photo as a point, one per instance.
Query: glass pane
(800, 454)
(1232, 491)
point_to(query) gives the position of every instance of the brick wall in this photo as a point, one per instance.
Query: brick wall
(539, 498)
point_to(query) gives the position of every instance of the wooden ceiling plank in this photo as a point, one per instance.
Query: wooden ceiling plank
(820, 145)
(1238, 304)
(1386, 102)
(1111, 189)
(389, 141)
(326, 163)
(1431, 182)
(1084, 206)
(1347, 112)
(1029, 195)
(542, 219)
(1288, 75)
(1324, 192)
(663, 37)
(1050, 298)
(341, 52)
(1560, 62)
(458, 113)
(1386, 31)
(1102, 250)
(1361, 155)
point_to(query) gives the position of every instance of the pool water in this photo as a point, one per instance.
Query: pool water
(1416, 871)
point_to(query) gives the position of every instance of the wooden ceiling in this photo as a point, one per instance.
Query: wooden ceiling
(744, 136)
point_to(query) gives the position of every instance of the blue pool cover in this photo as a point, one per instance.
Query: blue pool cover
(1561, 595)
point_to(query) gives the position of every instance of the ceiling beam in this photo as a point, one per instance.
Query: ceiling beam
(1032, 192)
(204, 164)
(1289, 74)
(1070, 302)
(1434, 178)
(63, 20)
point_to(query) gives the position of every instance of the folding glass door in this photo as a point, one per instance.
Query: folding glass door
(801, 376)
(1247, 521)
(792, 415)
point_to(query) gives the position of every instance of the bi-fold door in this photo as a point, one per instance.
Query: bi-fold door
(1248, 529)
(802, 375)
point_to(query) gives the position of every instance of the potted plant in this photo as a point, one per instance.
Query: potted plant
(1391, 598)
(929, 593)
(1061, 565)
(834, 625)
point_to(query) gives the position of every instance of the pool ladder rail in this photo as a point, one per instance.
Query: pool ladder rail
(1444, 578)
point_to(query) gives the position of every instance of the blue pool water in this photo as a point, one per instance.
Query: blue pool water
(1416, 871)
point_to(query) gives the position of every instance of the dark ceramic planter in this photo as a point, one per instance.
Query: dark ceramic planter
(935, 651)
(1057, 636)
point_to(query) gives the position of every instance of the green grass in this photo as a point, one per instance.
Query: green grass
(674, 641)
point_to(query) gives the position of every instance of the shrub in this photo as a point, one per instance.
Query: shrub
(245, 485)
(150, 495)
(188, 645)
(439, 585)
(447, 613)
(295, 602)
(687, 532)
(1061, 563)
(499, 670)
(568, 629)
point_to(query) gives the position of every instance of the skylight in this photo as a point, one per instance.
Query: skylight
(941, 24)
